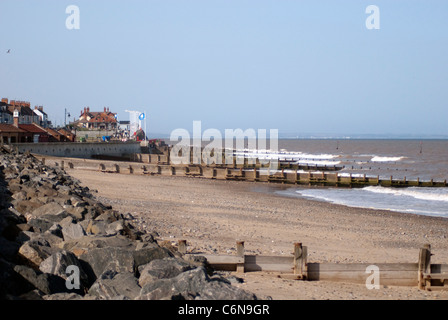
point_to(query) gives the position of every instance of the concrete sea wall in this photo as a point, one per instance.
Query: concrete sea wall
(80, 150)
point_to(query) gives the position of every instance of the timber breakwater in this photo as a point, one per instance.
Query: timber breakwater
(57, 242)
(287, 171)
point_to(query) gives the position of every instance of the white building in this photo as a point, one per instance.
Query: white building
(43, 117)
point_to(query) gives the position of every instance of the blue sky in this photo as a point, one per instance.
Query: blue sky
(298, 66)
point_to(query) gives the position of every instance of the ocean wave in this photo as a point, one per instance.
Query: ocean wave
(284, 155)
(359, 198)
(354, 175)
(318, 162)
(431, 195)
(386, 159)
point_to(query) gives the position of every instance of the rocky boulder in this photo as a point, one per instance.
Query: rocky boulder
(193, 284)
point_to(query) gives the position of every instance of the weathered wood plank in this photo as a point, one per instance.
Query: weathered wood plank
(439, 268)
(240, 267)
(424, 263)
(222, 259)
(439, 276)
(269, 263)
(358, 275)
(361, 267)
(406, 278)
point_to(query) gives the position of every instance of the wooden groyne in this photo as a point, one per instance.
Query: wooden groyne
(254, 174)
(422, 274)
(287, 172)
(284, 176)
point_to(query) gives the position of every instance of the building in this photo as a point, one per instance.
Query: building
(20, 124)
(43, 117)
(35, 131)
(104, 120)
(12, 134)
(69, 136)
(25, 113)
(5, 113)
(55, 136)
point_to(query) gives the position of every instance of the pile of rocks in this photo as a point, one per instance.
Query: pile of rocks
(58, 242)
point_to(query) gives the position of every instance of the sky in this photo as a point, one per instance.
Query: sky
(302, 67)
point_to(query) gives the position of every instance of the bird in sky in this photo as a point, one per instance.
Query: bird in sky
(9, 51)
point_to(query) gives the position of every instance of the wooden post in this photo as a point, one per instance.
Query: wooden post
(297, 260)
(240, 253)
(131, 169)
(300, 260)
(182, 246)
(117, 168)
(255, 173)
(62, 164)
(424, 264)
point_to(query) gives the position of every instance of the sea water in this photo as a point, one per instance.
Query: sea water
(422, 159)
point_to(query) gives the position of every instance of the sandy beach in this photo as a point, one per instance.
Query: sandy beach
(212, 215)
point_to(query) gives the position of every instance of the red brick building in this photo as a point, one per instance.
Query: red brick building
(92, 120)
(37, 133)
(12, 134)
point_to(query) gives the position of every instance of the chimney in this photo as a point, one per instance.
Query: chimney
(41, 108)
(16, 118)
(104, 109)
(88, 109)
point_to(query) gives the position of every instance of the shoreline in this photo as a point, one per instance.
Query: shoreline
(212, 215)
(372, 210)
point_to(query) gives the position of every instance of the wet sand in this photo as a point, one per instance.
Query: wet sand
(212, 215)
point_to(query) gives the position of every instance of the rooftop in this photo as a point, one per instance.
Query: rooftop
(9, 128)
(32, 128)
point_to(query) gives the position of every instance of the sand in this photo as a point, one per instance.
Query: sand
(212, 215)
